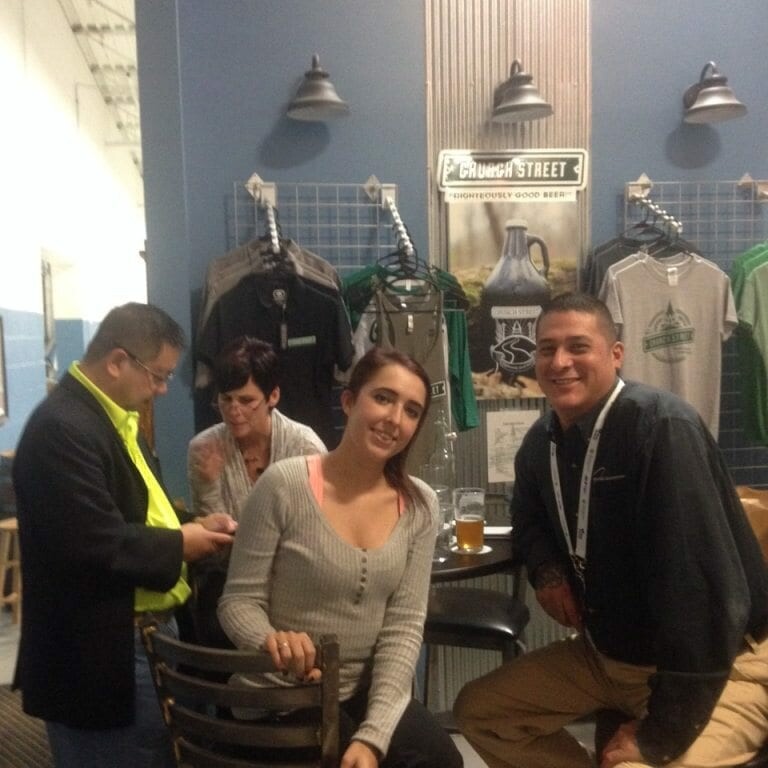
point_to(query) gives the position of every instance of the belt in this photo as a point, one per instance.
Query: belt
(148, 617)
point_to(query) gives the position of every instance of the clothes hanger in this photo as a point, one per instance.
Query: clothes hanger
(405, 265)
(276, 256)
(645, 232)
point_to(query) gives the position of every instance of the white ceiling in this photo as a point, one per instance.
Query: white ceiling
(105, 31)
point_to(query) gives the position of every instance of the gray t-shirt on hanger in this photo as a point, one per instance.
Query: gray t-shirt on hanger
(673, 315)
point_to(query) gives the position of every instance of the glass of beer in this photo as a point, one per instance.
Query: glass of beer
(469, 513)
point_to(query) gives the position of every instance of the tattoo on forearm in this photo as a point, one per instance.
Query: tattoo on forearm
(549, 576)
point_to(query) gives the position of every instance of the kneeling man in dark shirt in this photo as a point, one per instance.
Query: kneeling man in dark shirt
(632, 534)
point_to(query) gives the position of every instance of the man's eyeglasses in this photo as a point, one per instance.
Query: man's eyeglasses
(157, 378)
(242, 402)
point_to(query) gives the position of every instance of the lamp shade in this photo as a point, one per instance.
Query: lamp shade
(316, 98)
(517, 99)
(711, 100)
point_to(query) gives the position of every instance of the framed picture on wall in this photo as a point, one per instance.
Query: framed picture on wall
(3, 390)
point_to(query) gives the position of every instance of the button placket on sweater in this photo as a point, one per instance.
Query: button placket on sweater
(363, 583)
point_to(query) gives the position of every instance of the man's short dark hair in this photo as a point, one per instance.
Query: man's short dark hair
(574, 301)
(142, 329)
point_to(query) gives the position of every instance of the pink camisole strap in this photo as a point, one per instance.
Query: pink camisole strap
(315, 472)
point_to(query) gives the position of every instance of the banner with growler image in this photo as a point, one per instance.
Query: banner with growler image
(513, 242)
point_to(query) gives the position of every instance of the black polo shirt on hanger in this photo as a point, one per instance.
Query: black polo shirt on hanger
(309, 330)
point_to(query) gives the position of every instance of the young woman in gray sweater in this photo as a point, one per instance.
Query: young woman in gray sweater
(342, 543)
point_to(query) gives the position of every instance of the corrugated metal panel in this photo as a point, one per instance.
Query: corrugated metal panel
(470, 47)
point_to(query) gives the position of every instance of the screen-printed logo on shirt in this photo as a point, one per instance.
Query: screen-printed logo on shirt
(439, 388)
(669, 337)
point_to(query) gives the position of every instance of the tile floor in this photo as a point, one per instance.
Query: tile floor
(9, 639)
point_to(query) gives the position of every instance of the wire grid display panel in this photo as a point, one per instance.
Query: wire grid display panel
(722, 219)
(339, 222)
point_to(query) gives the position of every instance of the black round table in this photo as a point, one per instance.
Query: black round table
(452, 566)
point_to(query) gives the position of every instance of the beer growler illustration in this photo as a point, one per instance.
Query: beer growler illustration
(511, 301)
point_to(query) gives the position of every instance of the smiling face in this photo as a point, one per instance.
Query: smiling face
(385, 414)
(576, 362)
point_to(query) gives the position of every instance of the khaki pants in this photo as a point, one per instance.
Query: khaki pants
(515, 716)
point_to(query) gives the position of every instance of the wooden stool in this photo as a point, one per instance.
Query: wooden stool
(10, 562)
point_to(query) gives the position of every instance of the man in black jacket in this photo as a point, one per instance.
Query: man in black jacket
(633, 536)
(101, 547)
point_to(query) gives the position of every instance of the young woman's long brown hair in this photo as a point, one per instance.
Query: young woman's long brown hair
(366, 368)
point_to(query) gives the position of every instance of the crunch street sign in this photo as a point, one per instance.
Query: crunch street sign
(462, 168)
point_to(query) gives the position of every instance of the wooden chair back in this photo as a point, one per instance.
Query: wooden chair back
(297, 726)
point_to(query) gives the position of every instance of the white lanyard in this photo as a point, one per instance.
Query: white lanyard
(579, 552)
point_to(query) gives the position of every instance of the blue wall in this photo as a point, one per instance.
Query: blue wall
(643, 60)
(25, 367)
(216, 78)
(24, 370)
(644, 56)
(215, 82)
(72, 337)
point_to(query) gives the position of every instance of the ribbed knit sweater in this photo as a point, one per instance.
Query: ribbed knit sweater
(290, 570)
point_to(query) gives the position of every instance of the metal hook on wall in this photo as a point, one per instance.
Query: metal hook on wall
(265, 194)
(388, 192)
(403, 238)
(638, 193)
(758, 189)
(667, 219)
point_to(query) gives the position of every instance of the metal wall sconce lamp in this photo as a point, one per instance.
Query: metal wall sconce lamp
(517, 99)
(316, 99)
(711, 100)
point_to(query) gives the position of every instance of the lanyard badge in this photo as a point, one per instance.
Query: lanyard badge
(578, 553)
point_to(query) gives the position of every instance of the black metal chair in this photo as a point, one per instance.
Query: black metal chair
(470, 617)
(296, 726)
